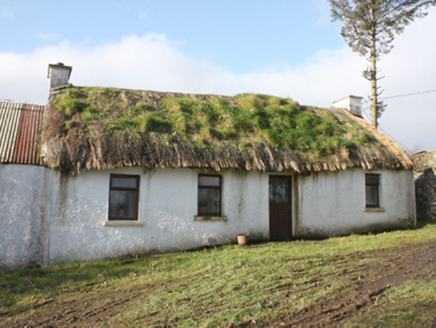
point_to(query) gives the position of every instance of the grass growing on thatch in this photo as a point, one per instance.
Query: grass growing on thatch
(245, 118)
(245, 131)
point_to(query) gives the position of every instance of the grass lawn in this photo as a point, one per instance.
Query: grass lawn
(386, 279)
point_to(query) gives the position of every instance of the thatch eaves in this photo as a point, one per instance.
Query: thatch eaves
(104, 128)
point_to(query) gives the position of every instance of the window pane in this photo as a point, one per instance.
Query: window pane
(123, 204)
(208, 201)
(209, 181)
(119, 182)
(372, 196)
(278, 190)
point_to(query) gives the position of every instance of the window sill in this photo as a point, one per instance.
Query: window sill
(123, 223)
(210, 218)
(374, 209)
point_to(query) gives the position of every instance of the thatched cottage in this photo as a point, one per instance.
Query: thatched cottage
(132, 171)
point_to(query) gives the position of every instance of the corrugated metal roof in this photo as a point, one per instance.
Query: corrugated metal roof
(20, 127)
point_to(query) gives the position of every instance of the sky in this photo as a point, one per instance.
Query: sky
(287, 48)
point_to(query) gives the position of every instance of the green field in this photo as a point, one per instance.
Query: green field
(386, 279)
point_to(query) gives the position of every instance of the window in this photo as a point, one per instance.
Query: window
(209, 195)
(372, 186)
(123, 197)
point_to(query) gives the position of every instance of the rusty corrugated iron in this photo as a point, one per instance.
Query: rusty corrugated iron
(20, 128)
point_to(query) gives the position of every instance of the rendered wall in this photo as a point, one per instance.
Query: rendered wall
(21, 215)
(71, 225)
(334, 203)
(168, 205)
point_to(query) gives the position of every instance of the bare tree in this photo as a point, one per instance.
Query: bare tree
(415, 149)
(369, 29)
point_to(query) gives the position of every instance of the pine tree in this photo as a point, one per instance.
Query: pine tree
(369, 29)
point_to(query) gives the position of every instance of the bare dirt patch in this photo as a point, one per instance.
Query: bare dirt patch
(391, 267)
(366, 278)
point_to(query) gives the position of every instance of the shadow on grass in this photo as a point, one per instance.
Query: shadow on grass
(425, 222)
(55, 280)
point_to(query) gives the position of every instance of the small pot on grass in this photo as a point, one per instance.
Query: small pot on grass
(243, 239)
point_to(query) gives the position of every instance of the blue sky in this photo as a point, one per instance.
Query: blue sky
(288, 48)
(240, 35)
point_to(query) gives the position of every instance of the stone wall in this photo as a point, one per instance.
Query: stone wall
(425, 184)
(424, 160)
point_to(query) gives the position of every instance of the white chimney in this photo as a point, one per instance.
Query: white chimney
(351, 103)
(59, 74)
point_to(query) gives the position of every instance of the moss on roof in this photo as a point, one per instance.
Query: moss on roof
(107, 128)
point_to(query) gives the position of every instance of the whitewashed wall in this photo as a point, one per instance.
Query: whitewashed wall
(72, 225)
(168, 204)
(328, 204)
(334, 203)
(21, 215)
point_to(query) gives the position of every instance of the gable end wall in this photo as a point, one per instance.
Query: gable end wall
(22, 190)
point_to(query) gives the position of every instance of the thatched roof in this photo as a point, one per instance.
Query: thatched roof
(102, 128)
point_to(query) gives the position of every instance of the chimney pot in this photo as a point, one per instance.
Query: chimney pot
(351, 103)
(59, 74)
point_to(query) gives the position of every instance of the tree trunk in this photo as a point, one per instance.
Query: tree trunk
(374, 91)
(374, 71)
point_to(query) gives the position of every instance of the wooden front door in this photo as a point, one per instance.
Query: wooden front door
(280, 208)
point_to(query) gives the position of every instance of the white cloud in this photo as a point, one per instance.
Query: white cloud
(410, 68)
(153, 62)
